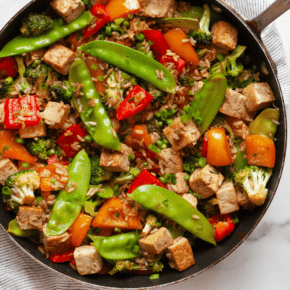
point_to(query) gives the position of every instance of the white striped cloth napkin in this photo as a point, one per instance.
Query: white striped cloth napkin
(18, 271)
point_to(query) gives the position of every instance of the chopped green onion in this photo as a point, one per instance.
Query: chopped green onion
(162, 179)
(53, 181)
(173, 179)
(101, 37)
(159, 143)
(108, 30)
(101, 79)
(185, 118)
(153, 173)
(160, 124)
(8, 81)
(70, 160)
(150, 42)
(145, 164)
(220, 57)
(19, 140)
(169, 121)
(154, 276)
(136, 249)
(58, 150)
(119, 20)
(51, 152)
(235, 220)
(140, 36)
(153, 148)
(163, 114)
(186, 177)
(5, 148)
(117, 230)
(88, 138)
(25, 164)
(195, 194)
(6, 190)
(94, 66)
(202, 162)
(126, 23)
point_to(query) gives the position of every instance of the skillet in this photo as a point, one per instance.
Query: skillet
(206, 255)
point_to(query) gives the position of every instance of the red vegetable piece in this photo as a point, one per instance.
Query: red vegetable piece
(54, 159)
(21, 111)
(102, 18)
(145, 177)
(204, 148)
(137, 100)
(149, 154)
(8, 67)
(160, 45)
(70, 137)
(179, 63)
(61, 258)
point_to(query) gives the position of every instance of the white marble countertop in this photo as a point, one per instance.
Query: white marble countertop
(262, 261)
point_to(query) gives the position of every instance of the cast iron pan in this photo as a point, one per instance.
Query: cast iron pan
(205, 254)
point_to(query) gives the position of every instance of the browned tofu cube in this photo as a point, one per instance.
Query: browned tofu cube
(240, 129)
(180, 254)
(227, 198)
(181, 185)
(88, 260)
(191, 199)
(34, 55)
(244, 200)
(38, 130)
(160, 8)
(60, 58)
(157, 242)
(55, 114)
(1, 113)
(235, 106)
(29, 218)
(224, 35)
(170, 161)
(69, 10)
(116, 161)
(7, 168)
(181, 135)
(55, 244)
(259, 96)
(206, 181)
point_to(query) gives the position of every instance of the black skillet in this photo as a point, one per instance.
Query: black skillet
(205, 254)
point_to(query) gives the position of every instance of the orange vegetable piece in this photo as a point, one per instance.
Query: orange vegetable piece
(137, 136)
(79, 229)
(111, 215)
(185, 50)
(219, 153)
(45, 194)
(11, 149)
(121, 8)
(260, 151)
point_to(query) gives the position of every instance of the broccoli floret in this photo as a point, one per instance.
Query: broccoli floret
(186, 81)
(62, 91)
(142, 47)
(157, 94)
(122, 265)
(203, 35)
(254, 180)
(152, 221)
(98, 174)
(40, 71)
(22, 185)
(242, 80)
(220, 121)
(6, 89)
(229, 66)
(129, 176)
(36, 24)
(21, 80)
(208, 206)
(40, 147)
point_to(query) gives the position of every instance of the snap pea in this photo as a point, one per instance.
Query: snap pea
(95, 118)
(176, 208)
(132, 61)
(69, 204)
(21, 44)
(266, 123)
(13, 228)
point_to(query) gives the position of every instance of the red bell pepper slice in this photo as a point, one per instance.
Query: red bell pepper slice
(102, 18)
(145, 177)
(134, 103)
(69, 141)
(160, 45)
(223, 226)
(54, 159)
(179, 63)
(21, 112)
(204, 148)
(149, 154)
(8, 67)
(61, 258)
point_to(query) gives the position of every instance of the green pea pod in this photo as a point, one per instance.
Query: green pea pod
(266, 123)
(132, 61)
(176, 208)
(119, 247)
(21, 44)
(69, 204)
(106, 191)
(102, 132)
(13, 228)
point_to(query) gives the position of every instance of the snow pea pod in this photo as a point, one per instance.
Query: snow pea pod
(176, 208)
(69, 203)
(132, 61)
(21, 44)
(95, 118)
(13, 228)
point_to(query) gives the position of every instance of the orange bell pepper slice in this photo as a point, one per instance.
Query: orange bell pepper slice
(112, 215)
(219, 153)
(137, 136)
(121, 8)
(260, 151)
(185, 50)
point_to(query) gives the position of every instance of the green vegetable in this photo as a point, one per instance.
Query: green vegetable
(244, 79)
(175, 208)
(13, 228)
(21, 44)
(183, 22)
(186, 81)
(40, 148)
(98, 174)
(69, 204)
(106, 191)
(128, 176)
(175, 231)
(154, 276)
(132, 61)
(21, 80)
(62, 91)
(241, 160)
(152, 221)
(6, 89)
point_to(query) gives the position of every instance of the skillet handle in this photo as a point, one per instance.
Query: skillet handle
(269, 15)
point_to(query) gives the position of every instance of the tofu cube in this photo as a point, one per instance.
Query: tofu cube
(157, 242)
(227, 198)
(34, 55)
(224, 35)
(55, 114)
(2, 113)
(60, 58)
(259, 96)
(191, 199)
(7, 168)
(235, 106)
(116, 161)
(181, 185)
(181, 135)
(38, 130)
(244, 200)
(170, 161)
(206, 181)
(88, 260)
(69, 10)
(29, 218)
(180, 254)
(160, 8)
(55, 244)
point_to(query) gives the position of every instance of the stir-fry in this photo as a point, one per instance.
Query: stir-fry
(128, 130)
